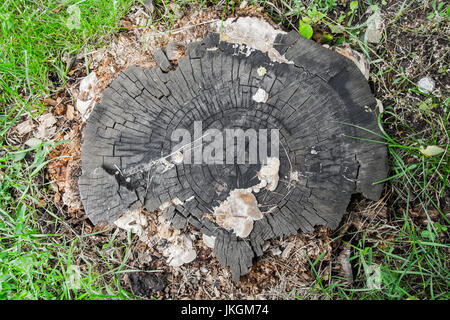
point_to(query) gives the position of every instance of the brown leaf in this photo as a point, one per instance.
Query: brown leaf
(57, 197)
(60, 109)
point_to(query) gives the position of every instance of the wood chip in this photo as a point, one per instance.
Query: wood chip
(70, 112)
(25, 127)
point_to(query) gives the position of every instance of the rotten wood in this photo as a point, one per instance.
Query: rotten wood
(319, 103)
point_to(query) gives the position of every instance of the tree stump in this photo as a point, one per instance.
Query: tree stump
(317, 99)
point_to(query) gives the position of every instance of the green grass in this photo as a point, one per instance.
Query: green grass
(37, 34)
(34, 38)
(414, 262)
(41, 257)
(401, 262)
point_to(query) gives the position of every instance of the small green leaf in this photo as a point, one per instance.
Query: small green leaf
(426, 234)
(327, 38)
(341, 18)
(305, 30)
(339, 41)
(440, 227)
(353, 5)
(426, 105)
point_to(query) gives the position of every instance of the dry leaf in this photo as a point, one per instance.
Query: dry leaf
(60, 109)
(50, 101)
(346, 266)
(431, 150)
(33, 142)
(287, 251)
(375, 26)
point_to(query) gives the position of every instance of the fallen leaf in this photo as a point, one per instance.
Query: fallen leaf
(426, 85)
(380, 106)
(87, 86)
(83, 108)
(74, 277)
(430, 151)
(373, 276)
(60, 109)
(86, 95)
(44, 132)
(374, 32)
(46, 126)
(346, 266)
(287, 251)
(132, 220)
(33, 142)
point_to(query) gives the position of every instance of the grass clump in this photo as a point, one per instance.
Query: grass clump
(37, 41)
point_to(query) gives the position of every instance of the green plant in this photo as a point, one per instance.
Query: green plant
(439, 10)
(305, 29)
(34, 37)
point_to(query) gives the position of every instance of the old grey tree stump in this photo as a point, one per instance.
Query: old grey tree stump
(319, 103)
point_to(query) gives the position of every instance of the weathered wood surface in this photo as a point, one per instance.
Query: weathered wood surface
(311, 102)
